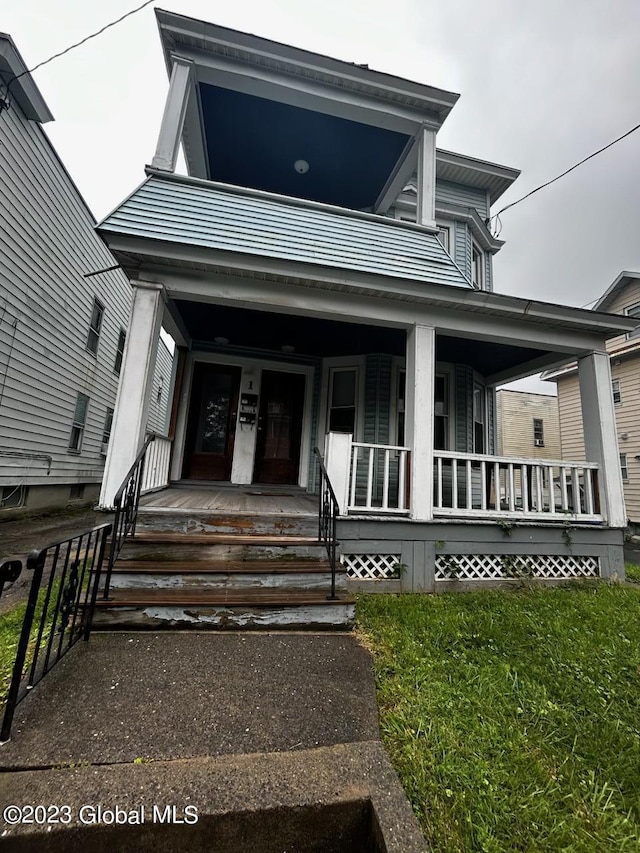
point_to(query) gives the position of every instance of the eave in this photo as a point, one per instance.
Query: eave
(23, 89)
(624, 279)
(472, 172)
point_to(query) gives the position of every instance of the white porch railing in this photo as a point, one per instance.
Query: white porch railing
(156, 464)
(469, 484)
(378, 478)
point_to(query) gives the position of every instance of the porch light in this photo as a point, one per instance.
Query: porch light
(287, 348)
(221, 341)
(301, 167)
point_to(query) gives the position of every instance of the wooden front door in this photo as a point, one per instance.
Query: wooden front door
(279, 427)
(211, 428)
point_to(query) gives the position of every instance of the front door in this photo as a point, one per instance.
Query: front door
(212, 422)
(279, 427)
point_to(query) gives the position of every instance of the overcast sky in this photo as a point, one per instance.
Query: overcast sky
(542, 85)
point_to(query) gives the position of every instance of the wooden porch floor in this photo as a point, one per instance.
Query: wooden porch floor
(229, 499)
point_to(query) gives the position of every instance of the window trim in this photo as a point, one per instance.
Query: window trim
(117, 364)
(616, 391)
(624, 468)
(538, 440)
(628, 312)
(77, 424)
(95, 330)
(108, 421)
(477, 280)
(358, 363)
(443, 368)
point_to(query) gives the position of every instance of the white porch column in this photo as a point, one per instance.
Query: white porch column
(337, 461)
(600, 435)
(175, 110)
(426, 211)
(420, 378)
(134, 392)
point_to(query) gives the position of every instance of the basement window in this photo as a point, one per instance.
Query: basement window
(13, 496)
(76, 492)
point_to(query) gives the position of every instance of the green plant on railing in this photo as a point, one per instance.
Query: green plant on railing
(440, 543)
(399, 570)
(505, 526)
(567, 534)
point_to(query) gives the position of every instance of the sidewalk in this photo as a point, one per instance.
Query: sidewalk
(235, 724)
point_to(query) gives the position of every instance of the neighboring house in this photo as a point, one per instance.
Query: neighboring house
(528, 425)
(622, 297)
(326, 273)
(62, 334)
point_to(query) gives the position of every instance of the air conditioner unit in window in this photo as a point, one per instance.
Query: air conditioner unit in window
(539, 442)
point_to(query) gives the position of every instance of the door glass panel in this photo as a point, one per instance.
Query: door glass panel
(214, 413)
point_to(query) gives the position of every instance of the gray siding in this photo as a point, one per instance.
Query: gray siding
(462, 248)
(48, 243)
(450, 193)
(206, 216)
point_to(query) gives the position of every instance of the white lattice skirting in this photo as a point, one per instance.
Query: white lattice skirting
(371, 567)
(485, 567)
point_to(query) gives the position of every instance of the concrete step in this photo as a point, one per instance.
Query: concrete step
(225, 610)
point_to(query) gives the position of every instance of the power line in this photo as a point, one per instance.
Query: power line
(566, 172)
(73, 46)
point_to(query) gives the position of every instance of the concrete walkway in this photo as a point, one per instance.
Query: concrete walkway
(231, 723)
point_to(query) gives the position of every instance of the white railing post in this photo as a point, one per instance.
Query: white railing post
(337, 460)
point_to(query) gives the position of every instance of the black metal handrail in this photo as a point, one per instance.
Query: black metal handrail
(328, 511)
(126, 503)
(62, 597)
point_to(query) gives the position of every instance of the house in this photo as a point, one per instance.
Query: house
(64, 310)
(326, 272)
(622, 297)
(527, 424)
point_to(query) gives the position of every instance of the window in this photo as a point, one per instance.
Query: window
(117, 367)
(477, 263)
(478, 420)
(444, 236)
(342, 400)
(441, 411)
(94, 329)
(624, 470)
(108, 423)
(615, 389)
(79, 419)
(76, 492)
(538, 432)
(13, 496)
(633, 311)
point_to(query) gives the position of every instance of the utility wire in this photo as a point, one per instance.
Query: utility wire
(566, 172)
(77, 44)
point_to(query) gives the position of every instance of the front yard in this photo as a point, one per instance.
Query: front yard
(513, 719)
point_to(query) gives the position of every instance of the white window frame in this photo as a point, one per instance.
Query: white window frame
(624, 467)
(357, 363)
(78, 425)
(616, 392)
(448, 225)
(442, 369)
(95, 330)
(633, 311)
(539, 438)
(477, 266)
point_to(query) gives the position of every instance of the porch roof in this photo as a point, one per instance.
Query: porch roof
(209, 215)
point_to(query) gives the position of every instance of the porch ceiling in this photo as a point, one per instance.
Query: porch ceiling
(312, 336)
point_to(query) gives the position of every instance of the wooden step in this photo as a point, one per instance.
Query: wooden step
(152, 538)
(248, 567)
(226, 598)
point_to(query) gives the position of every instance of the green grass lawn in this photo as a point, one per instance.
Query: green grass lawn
(513, 718)
(633, 572)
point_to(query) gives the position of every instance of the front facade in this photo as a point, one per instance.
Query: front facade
(623, 297)
(326, 272)
(62, 334)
